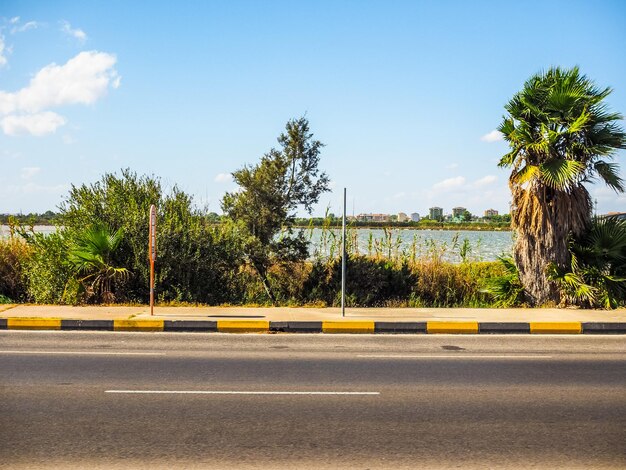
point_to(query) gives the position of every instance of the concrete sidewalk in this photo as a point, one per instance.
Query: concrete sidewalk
(283, 314)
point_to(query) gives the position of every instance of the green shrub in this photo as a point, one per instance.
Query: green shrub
(596, 277)
(197, 260)
(369, 282)
(49, 275)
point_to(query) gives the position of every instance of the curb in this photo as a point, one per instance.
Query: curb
(334, 326)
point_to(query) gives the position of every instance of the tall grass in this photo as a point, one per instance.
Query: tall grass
(394, 272)
(14, 255)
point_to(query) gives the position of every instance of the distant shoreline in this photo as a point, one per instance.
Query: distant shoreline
(381, 226)
(450, 227)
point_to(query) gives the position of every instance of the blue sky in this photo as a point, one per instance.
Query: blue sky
(403, 94)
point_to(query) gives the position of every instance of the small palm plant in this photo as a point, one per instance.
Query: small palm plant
(597, 276)
(90, 257)
(506, 290)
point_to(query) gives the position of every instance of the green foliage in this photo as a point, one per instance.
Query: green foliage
(47, 271)
(371, 282)
(506, 289)
(90, 257)
(377, 282)
(270, 192)
(196, 259)
(597, 275)
(47, 218)
(560, 131)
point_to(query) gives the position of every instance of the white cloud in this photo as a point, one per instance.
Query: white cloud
(25, 27)
(14, 20)
(223, 178)
(77, 33)
(484, 181)
(81, 80)
(34, 188)
(35, 124)
(29, 171)
(492, 136)
(450, 183)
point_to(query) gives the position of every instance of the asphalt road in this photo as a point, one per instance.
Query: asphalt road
(95, 400)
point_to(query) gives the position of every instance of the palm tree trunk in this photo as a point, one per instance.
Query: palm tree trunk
(544, 219)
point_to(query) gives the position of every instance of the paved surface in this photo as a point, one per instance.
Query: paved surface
(314, 314)
(407, 401)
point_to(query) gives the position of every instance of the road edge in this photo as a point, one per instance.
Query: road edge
(325, 326)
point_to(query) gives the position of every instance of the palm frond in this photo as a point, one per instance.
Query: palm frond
(609, 173)
(526, 174)
(560, 173)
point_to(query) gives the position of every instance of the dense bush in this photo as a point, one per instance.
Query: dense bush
(48, 274)
(196, 259)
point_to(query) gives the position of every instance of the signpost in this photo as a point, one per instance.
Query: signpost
(152, 254)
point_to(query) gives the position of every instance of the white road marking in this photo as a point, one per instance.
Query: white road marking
(232, 392)
(88, 353)
(453, 356)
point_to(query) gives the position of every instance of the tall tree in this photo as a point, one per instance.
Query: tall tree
(561, 136)
(270, 192)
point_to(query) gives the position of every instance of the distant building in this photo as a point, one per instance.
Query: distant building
(458, 212)
(415, 217)
(373, 217)
(436, 213)
(617, 215)
(402, 217)
(491, 213)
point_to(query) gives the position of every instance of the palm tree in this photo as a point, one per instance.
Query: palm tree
(91, 258)
(561, 136)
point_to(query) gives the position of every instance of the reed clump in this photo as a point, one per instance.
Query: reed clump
(14, 256)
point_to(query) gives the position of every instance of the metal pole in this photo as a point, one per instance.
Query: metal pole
(343, 257)
(152, 254)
